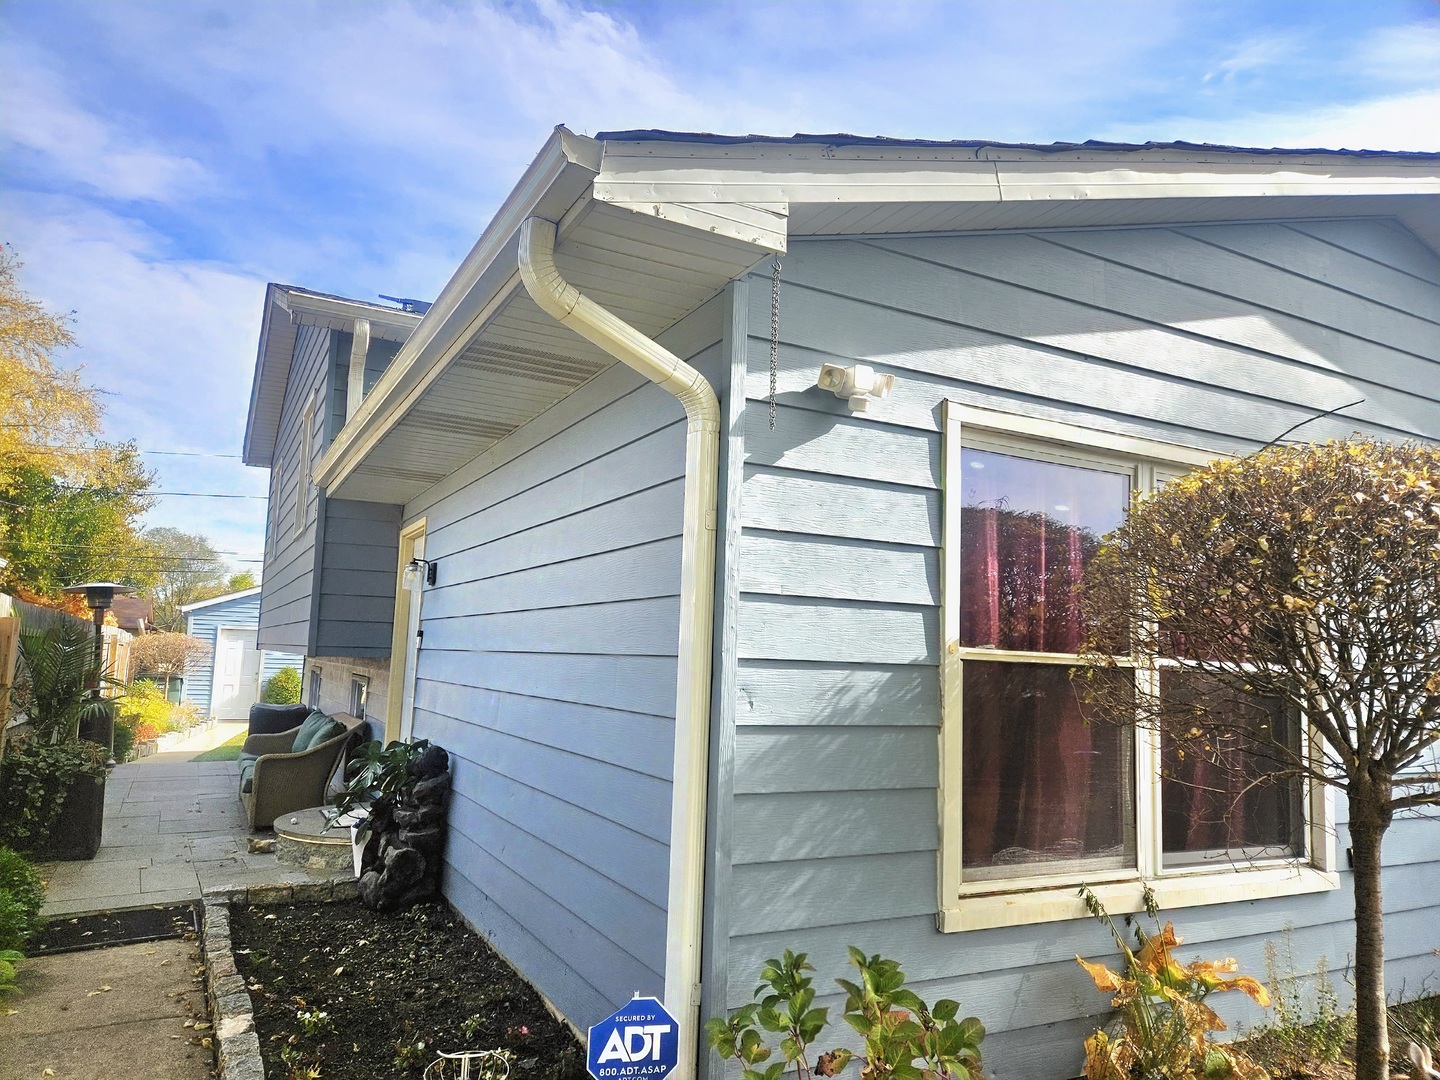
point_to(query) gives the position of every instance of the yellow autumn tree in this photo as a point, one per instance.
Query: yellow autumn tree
(69, 502)
(1301, 583)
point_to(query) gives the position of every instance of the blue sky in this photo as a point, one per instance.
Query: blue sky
(160, 162)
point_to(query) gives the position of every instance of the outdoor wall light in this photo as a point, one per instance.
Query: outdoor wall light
(418, 573)
(859, 383)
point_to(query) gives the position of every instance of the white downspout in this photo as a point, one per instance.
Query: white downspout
(684, 916)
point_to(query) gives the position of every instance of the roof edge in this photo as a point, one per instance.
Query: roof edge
(220, 599)
(1090, 145)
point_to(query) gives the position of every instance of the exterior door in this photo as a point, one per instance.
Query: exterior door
(412, 651)
(236, 683)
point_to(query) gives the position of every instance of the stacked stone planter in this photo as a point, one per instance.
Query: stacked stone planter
(401, 862)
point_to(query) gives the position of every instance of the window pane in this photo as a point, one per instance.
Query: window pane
(1224, 795)
(1027, 530)
(1043, 790)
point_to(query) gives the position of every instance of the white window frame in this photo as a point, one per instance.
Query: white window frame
(974, 905)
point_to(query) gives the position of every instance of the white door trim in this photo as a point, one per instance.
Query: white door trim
(215, 665)
(404, 651)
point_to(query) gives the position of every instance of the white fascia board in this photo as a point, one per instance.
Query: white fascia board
(402, 323)
(275, 315)
(561, 174)
(686, 174)
(220, 599)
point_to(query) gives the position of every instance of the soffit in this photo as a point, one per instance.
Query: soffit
(518, 361)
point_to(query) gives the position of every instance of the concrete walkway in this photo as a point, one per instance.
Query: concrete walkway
(119, 1012)
(172, 830)
(222, 731)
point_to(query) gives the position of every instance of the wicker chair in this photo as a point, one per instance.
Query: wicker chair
(283, 781)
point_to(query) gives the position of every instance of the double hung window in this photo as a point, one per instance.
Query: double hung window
(1037, 794)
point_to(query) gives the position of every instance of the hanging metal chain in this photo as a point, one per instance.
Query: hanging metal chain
(774, 335)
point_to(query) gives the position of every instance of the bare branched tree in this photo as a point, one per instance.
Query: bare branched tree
(1293, 600)
(167, 654)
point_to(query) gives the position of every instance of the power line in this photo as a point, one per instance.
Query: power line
(163, 453)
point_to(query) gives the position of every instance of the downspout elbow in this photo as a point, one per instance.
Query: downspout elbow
(566, 304)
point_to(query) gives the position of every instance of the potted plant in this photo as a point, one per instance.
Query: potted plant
(395, 802)
(52, 783)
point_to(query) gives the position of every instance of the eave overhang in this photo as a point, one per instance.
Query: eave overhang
(652, 225)
(286, 308)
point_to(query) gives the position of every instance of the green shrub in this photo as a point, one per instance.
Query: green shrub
(22, 895)
(125, 728)
(904, 1037)
(282, 688)
(146, 707)
(34, 781)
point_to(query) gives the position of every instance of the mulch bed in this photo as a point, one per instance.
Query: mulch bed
(387, 983)
(62, 935)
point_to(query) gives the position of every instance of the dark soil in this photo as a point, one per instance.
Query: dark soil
(1295, 1054)
(61, 935)
(388, 983)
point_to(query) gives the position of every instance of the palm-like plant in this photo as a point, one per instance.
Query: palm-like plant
(61, 668)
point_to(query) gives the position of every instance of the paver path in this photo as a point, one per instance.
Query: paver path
(134, 1028)
(172, 830)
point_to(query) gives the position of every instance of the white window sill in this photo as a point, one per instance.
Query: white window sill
(986, 910)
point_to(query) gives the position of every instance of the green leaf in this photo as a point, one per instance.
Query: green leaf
(908, 999)
(858, 1022)
(945, 1010)
(974, 1031)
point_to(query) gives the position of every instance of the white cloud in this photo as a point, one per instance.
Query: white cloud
(81, 148)
(1408, 54)
(1403, 122)
(1254, 55)
(171, 341)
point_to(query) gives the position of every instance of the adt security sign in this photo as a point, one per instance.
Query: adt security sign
(640, 1041)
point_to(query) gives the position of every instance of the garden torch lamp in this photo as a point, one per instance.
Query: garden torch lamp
(99, 595)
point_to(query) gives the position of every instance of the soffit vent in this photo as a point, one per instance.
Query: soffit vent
(457, 423)
(394, 472)
(556, 368)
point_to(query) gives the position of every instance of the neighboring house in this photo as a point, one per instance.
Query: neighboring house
(1065, 325)
(133, 614)
(226, 685)
(329, 587)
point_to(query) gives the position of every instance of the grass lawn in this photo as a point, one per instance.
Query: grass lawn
(226, 751)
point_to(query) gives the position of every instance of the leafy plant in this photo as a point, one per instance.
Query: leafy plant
(61, 668)
(297, 1064)
(1165, 1024)
(8, 959)
(35, 779)
(409, 1055)
(282, 688)
(22, 895)
(783, 1005)
(903, 1037)
(376, 772)
(146, 708)
(1300, 1029)
(314, 1022)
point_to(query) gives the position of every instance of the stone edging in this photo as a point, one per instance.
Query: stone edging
(237, 1047)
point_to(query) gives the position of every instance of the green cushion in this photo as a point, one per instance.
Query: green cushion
(244, 757)
(305, 736)
(247, 775)
(325, 733)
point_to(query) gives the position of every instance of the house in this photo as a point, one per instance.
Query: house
(133, 614)
(226, 685)
(686, 598)
(330, 563)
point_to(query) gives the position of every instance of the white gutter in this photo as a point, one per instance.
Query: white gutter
(697, 602)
